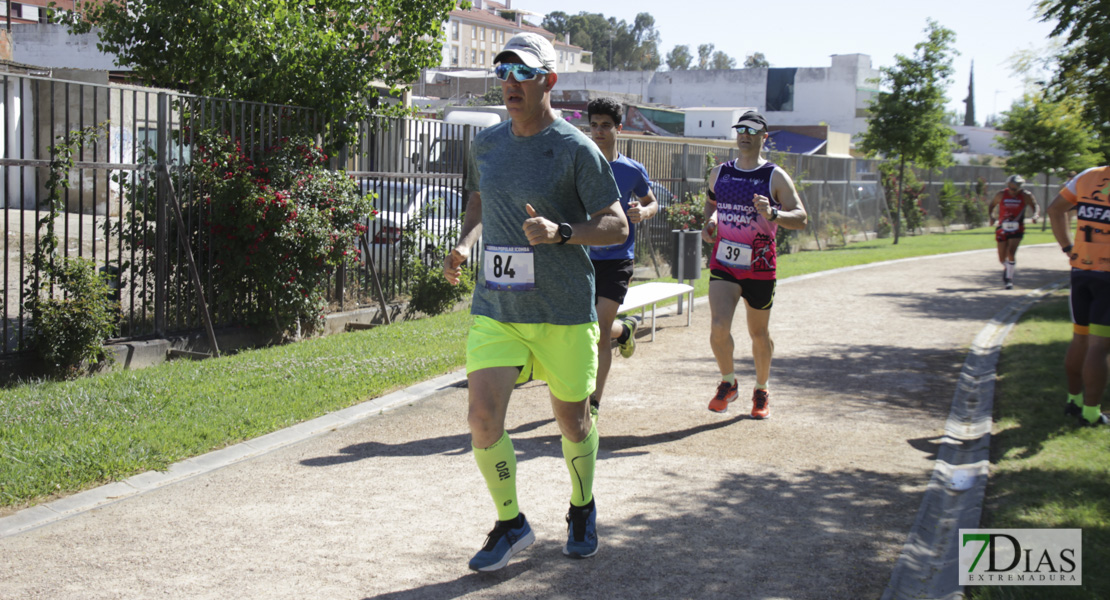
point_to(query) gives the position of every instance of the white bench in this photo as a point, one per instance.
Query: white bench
(640, 296)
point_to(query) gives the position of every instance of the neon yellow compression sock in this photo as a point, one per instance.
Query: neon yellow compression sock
(1076, 399)
(498, 465)
(581, 459)
(730, 378)
(1092, 413)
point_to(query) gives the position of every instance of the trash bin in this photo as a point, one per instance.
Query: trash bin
(686, 259)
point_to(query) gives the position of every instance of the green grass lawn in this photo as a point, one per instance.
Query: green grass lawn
(876, 250)
(1046, 472)
(57, 438)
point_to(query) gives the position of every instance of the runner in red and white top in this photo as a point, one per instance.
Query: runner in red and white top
(1011, 203)
(748, 200)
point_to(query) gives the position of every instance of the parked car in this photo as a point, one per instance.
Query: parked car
(398, 203)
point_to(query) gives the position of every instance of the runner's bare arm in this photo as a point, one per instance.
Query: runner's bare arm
(994, 203)
(606, 227)
(793, 214)
(1057, 216)
(709, 230)
(643, 208)
(471, 231)
(1031, 202)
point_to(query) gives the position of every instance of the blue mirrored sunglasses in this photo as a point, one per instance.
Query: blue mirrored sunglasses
(748, 130)
(520, 72)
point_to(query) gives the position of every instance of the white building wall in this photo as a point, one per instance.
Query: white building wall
(981, 140)
(712, 123)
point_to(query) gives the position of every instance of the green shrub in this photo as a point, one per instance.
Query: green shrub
(430, 292)
(883, 230)
(950, 203)
(71, 308)
(973, 210)
(913, 192)
(71, 329)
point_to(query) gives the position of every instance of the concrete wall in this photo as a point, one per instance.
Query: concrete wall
(52, 46)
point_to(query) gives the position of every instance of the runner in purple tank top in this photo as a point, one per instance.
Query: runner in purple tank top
(749, 198)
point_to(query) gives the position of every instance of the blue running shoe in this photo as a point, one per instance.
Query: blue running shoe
(502, 543)
(581, 531)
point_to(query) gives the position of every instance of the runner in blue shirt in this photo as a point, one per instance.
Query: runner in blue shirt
(613, 264)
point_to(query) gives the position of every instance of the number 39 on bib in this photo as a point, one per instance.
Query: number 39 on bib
(732, 254)
(509, 268)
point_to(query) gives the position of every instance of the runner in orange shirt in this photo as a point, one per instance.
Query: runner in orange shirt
(1089, 255)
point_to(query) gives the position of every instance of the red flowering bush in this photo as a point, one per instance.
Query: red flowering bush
(266, 233)
(279, 227)
(688, 214)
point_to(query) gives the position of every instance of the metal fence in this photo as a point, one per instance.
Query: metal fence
(113, 186)
(409, 164)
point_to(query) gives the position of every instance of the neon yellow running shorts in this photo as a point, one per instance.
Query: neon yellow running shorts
(565, 356)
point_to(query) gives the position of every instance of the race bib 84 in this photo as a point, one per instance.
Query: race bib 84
(509, 268)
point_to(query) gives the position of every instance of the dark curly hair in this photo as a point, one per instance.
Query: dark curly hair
(605, 106)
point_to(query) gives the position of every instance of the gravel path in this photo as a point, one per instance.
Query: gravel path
(815, 502)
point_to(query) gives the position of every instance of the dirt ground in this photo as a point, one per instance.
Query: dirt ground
(814, 502)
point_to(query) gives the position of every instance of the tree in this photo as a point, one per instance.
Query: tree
(705, 55)
(321, 54)
(722, 61)
(907, 120)
(969, 115)
(679, 58)
(616, 45)
(1084, 63)
(1048, 137)
(756, 61)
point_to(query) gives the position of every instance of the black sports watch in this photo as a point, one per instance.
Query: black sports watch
(565, 231)
(774, 214)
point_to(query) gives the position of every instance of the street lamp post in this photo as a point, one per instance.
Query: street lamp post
(611, 34)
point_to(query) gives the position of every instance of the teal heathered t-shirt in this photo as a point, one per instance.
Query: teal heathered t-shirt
(563, 175)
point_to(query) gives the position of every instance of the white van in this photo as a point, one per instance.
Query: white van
(445, 154)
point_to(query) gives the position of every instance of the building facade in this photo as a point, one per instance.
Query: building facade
(475, 36)
(837, 95)
(30, 11)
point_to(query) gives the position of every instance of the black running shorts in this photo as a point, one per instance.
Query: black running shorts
(759, 293)
(611, 278)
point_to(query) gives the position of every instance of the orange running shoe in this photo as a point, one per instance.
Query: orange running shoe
(760, 404)
(726, 393)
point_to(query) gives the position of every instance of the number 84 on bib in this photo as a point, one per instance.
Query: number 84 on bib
(509, 268)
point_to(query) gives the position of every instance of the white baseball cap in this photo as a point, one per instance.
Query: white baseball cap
(532, 49)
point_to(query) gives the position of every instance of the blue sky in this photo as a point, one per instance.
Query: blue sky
(804, 33)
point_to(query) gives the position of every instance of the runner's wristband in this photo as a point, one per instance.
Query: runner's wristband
(1067, 249)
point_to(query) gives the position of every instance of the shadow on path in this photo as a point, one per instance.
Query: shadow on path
(730, 531)
(526, 447)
